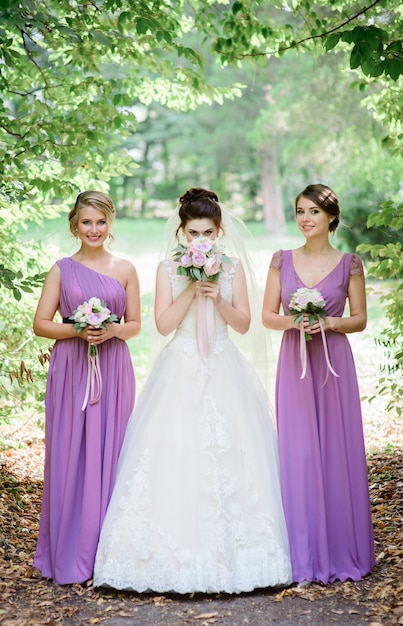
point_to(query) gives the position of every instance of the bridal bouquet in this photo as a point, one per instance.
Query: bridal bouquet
(310, 302)
(96, 314)
(201, 259)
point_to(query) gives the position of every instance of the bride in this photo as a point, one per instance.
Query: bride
(196, 506)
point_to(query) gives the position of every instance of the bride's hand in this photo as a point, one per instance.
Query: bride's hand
(209, 289)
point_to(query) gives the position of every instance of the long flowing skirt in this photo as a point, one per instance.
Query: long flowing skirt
(197, 502)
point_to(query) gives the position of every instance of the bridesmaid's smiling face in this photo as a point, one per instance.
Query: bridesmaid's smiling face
(200, 227)
(92, 226)
(312, 221)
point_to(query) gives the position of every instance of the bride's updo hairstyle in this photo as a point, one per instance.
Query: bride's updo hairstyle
(96, 200)
(198, 203)
(324, 198)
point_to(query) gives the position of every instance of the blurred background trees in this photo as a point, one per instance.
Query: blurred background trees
(143, 99)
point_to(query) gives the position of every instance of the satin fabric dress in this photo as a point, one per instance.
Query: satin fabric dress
(82, 447)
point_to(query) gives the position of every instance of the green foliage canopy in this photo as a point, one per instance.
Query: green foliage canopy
(70, 75)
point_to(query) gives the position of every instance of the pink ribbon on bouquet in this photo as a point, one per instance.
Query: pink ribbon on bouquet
(93, 388)
(205, 328)
(303, 356)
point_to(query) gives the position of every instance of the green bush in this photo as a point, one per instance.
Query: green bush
(387, 265)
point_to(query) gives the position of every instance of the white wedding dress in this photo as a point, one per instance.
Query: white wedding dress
(197, 506)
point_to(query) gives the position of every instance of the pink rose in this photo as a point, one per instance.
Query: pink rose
(301, 300)
(96, 319)
(186, 260)
(198, 259)
(86, 308)
(211, 267)
(202, 246)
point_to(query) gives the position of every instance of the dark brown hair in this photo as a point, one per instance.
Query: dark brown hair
(324, 198)
(198, 203)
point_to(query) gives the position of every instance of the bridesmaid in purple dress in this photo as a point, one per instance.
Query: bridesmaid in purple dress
(322, 457)
(83, 444)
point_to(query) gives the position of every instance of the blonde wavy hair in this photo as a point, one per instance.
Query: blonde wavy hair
(96, 199)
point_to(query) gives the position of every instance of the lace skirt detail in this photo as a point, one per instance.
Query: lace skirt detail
(197, 503)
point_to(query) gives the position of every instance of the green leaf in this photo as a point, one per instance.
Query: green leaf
(237, 7)
(125, 16)
(196, 273)
(351, 36)
(101, 38)
(332, 40)
(394, 68)
(141, 26)
(355, 57)
(182, 271)
(371, 68)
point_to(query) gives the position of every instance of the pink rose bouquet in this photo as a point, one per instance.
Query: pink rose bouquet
(93, 313)
(201, 259)
(96, 314)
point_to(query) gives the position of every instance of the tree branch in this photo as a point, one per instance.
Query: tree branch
(310, 38)
(9, 132)
(331, 30)
(32, 59)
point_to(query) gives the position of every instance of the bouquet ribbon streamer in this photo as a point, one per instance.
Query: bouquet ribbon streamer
(205, 326)
(93, 387)
(303, 355)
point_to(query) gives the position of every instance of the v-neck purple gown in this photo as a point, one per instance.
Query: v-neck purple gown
(322, 457)
(82, 447)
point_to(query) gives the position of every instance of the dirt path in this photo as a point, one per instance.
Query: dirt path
(27, 600)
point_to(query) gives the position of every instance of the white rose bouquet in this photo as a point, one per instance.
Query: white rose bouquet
(307, 302)
(311, 303)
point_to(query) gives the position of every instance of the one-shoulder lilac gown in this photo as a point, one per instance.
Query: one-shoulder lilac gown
(82, 447)
(322, 458)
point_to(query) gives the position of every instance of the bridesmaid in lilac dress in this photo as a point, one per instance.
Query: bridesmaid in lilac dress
(322, 457)
(83, 444)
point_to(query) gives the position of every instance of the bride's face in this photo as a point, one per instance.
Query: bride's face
(200, 227)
